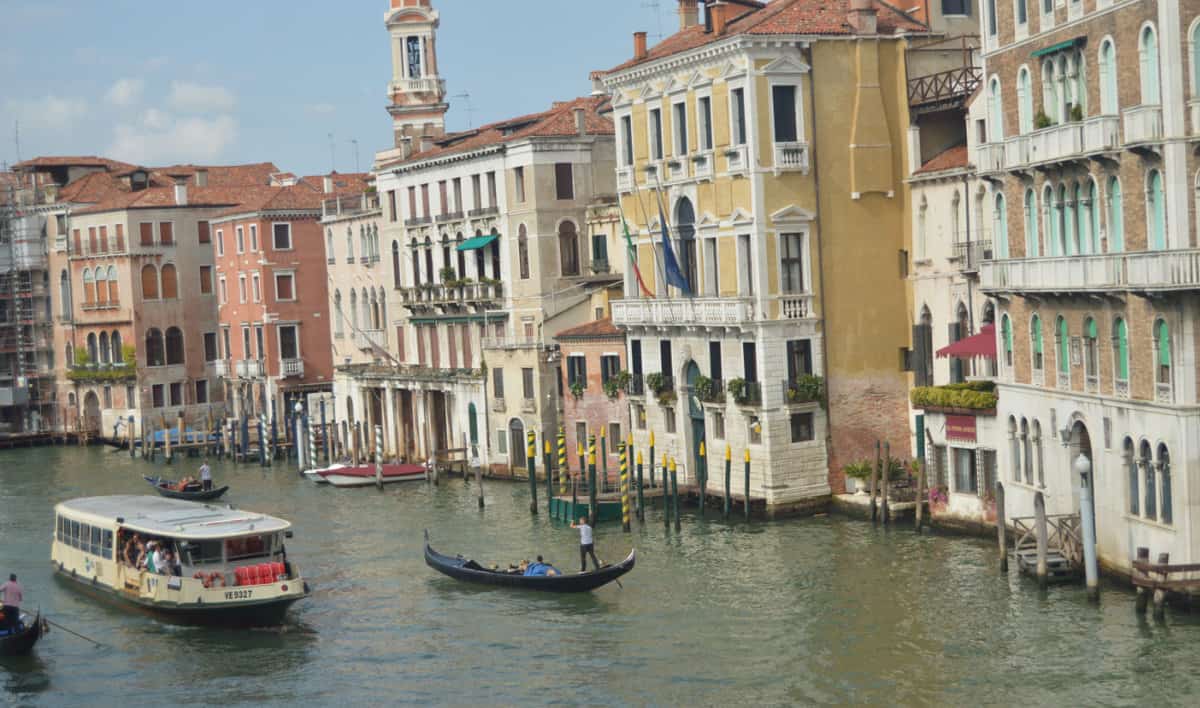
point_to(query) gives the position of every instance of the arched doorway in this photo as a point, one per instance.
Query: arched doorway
(91, 412)
(1081, 444)
(691, 372)
(516, 443)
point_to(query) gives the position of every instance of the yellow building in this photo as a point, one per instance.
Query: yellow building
(773, 136)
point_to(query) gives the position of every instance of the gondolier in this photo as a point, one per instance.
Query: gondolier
(587, 544)
(11, 596)
(205, 476)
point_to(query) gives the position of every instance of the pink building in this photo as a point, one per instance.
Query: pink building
(593, 357)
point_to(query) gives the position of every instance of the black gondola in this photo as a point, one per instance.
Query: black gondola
(22, 642)
(164, 487)
(468, 570)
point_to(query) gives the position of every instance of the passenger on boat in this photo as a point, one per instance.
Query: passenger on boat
(153, 557)
(135, 550)
(541, 568)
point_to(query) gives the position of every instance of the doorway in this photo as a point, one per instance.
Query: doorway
(691, 373)
(516, 444)
(1081, 444)
(91, 412)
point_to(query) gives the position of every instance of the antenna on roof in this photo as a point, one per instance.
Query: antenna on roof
(466, 97)
(17, 137)
(656, 5)
(332, 154)
(354, 142)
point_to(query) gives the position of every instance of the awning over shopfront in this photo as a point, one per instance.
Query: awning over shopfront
(477, 242)
(1059, 47)
(982, 344)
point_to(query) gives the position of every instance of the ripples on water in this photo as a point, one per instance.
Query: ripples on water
(820, 610)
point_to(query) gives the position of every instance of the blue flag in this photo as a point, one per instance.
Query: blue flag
(670, 265)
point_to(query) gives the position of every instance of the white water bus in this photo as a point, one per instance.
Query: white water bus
(231, 568)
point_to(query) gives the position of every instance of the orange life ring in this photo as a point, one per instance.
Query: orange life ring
(213, 578)
(202, 578)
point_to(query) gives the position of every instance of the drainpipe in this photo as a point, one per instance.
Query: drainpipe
(970, 301)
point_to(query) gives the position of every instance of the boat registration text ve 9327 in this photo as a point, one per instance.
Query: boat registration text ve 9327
(237, 594)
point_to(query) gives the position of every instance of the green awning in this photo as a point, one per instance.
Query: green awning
(1061, 46)
(477, 242)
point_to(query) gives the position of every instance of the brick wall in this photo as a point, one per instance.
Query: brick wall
(594, 407)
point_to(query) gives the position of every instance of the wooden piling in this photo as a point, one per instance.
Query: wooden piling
(1001, 528)
(548, 464)
(666, 495)
(324, 433)
(675, 492)
(1143, 596)
(603, 459)
(475, 461)
(166, 445)
(921, 496)
(641, 500)
(874, 480)
(131, 437)
(1160, 595)
(531, 465)
(379, 457)
(593, 507)
(575, 478)
(1043, 541)
(728, 466)
(887, 476)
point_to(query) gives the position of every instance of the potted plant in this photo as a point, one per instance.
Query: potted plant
(616, 383)
(859, 472)
(704, 388)
(1041, 120)
(655, 382)
(1076, 112)
(577, 389)
(737, 389)
(806, 389)
(447, 274)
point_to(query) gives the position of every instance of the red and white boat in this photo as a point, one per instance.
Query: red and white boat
(364, 475)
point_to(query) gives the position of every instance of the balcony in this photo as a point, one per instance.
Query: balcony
(418, 221)
(483, 211)
(1057, 143)
(498, 405)
(804, 389)
(249, 369)
(791, 157)
(511, 343)
(1143, 124)
(716, 311)
(971, 253)
(599, 265)
(677, 169)
(702, 165)
(1149, 271)
(738, 158)
(936, 91)
(370, 339)
(637, 385)
(796, 307)
(528, 405)
(989, 157)
(439, 295)
(350, 205)
(427, 85)
(218, 368)
(446, 217)
(625, 179)
(712, 391)
(1101, 134)
(291, 368)
(745, 393)
(1194, 116)
(1163, 393)
(1017, 151)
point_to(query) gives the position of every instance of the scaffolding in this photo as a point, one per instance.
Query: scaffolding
(26, 341)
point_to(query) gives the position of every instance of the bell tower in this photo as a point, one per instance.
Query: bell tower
(416, 94)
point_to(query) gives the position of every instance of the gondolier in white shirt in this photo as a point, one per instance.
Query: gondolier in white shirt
(11, 595)
(206, 476)
(586, 544)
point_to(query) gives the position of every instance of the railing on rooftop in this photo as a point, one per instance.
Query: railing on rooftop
(350, 204)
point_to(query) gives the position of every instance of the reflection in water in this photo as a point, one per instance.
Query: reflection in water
(815, 610)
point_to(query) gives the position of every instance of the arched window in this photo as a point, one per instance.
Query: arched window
(446, 260)
(568, 248)
(1051, 224)
(1024, 101)
(349, 244)
(375, 240)
(1156, 212)
(101, 285)
(1108, 79)
(1049, 91)
(363, 247)
(1091, 352)
(1082, 217)
(105, 356)
(1036, 342)
(1150, 497)
(70, 354)
(170, 286)
(1062, 337)
(353, 310)
(1037, 449)
(64, 296)
(523, 252)
(922, 219)
(374, 310)
(416, 261)
(1129, 459)
(1026, 458)
(1148, 54)
(396, 264)
(92, 349)
(995, 112)
(461, 255)
(1162, 354)
(149, 282)
(1164, 479)
(118, 354)
(154, 348)
(339, 317)
(1116, 217)
(329, 254)
(1070, 235)
(429, 271)
(1091, 207)
(1000, 226)
(1063, 221)
(174, 346)
(1120, 335)
(1014, 449)
(89, 287)
(1007, 336)
(383, 320)
(114, 292)
(1031, 224)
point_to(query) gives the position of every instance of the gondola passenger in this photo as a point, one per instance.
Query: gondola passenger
(540, 567)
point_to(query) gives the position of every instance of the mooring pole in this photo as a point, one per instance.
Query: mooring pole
(131, 445)
(478, 465)
(874, 479)
(575, 479)
(593, 507)
(1143, 596)
(641, 501)
(652, 460)
(603, 459)
(274, 430)
(746, 499)
(244, 438)
(666, 492)
(379, 457)
(1039, 525)
(1083, 467)
(1160, 595)
(549, 477)
(324, 432)
(1001, 527)
(887, 474)
(531, 465)
(701, 477)
(166, 445)
(262, 442)
(629, 454)
(624, 486)
(922, 497)
(675, 492)
(563, 468)
(728, 469)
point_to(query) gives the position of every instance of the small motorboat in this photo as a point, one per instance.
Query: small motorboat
(21, 642)
(315, 474)
(469, 571)
(170, 489)
(364, 475)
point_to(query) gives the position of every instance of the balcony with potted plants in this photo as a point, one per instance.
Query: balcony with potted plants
(969, 398)
(745, 393)
(709, 390)
(662, 386)
(806, 388)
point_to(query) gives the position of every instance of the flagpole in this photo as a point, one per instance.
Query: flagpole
(660, 271)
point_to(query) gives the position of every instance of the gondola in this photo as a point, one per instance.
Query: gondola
(22, 642)
(468, 570)
(202, 495)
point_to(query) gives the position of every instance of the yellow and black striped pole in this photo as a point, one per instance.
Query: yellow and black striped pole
(593, 510)
(603, 460)
(728, 462)
(624, 487)
(702, 476)
(547, 463)
(575, 478)
(531, 465)
(747, 498)
(675, 492)
(562, 462)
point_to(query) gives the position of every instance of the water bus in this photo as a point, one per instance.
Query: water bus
(230, 567)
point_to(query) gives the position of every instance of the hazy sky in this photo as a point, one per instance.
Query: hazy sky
(221, 81)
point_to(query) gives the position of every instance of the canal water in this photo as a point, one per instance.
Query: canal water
(821, 610)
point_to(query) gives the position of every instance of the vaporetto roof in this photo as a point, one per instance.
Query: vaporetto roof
(171, 517)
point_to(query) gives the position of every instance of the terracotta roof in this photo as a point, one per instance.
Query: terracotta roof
(293, 197)
(559, 120)
(804, 17)
(72, 161)
(950, 159)
(257, 173)
(343, 182)
(596, 329)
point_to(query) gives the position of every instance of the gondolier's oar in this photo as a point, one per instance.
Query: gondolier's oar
(70, 631)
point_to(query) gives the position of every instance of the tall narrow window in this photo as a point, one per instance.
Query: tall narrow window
(518, 184)
(783, 110)
(413, 48)
(681, 129)
(1108, 79)
(1091, 209)
(149, 284)
(1121, 353)
(627, 139)
(704, 116)
(1156, 211)
(339, 318)
(995, 112)
(1006, 336)
(792, 263)
(991, 5)
(89, 286)
(1162, 344)
(1091, 351)
(1082, 221)
(1116, 217)
(1050, 90)
(1061, 217)
(1024, 98)
(1164, 478)
(1151, 494)
(1063, 337)
(523, 252)
(1130, 459)
(1148, 54)
(656, 146)
(738, 116)
(564, 181)
(1035, 335)
(1000, 226)
(1022, 12)
(568, 248)
(1031, 224)
(282, 237)
(170, 284)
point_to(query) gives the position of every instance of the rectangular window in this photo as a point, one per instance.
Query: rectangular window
(146, 233)
(635, 356)
(458, 206)
(225, 342)
(664, 356)
(258, 339)
(93, 244)
(392, 214)
(639, 416)
(412, 46)
(206, 287)
(704, 108)
(247, 352)
(792, 262)
(502, 441)
(614, 435)
(255, 288)
(669, 419)
(282, 236)
(576, 371)
(204, 235)
(289, 342)
(745, 265)
(476, 192)
(783, 100)
(718, 424)
(202, 391)
(220, 242)
(1022, 12)
(581, 434)
(991, 18)
(714, 361)
(610, 366)
(681, 141)
(241, 288)
(425, 201)
(210, 346)
(412, 202)
(656, 146)
(491, 182)
(498, 383)
(750, 361)
(285, 286)
(802, 427)
(627, 140)
(157, 396)
(103, 239)
(965, 476)
(564, 185)
(519, 183)
(224, 292)
(527, 383)
(443, 197)
(166, 233)
(799, 358)
(120, 237)
(738, 117)
(241, 239)
(78, 242)
(177, 394)
(957, 7)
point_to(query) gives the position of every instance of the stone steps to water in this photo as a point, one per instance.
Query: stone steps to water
(1058, 567)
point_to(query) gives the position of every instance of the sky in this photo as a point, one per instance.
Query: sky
(298, 83)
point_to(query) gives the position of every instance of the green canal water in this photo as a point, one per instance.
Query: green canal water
(822, 610)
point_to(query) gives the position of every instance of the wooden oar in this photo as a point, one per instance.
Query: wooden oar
(70, 631)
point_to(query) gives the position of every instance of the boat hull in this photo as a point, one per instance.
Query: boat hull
(461, 568)
(203, 495)
(22, 643)
(364, 475)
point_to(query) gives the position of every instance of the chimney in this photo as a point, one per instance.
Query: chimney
(862, 16)
(426, 143)
(581, 121)
(689, 14)
(720, 16)
(639, 45)
(327, 183)
(181, 192)
(201, 178)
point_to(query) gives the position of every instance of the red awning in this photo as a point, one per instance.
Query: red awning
(982, 344)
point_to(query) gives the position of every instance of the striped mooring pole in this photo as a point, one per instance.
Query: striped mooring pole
(624, 487)
(746, 499)
(593, 511)
(728, 464)
(379, 456)
(651, 458)
(603, 460)
(702, 476)
(641, 500)
(548, 464)
(531, 464)
(675, 492)
(563, 469)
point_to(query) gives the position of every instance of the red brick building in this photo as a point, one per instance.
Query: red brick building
(593, 356)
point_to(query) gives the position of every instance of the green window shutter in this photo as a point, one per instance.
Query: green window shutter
(1064, 346)
(1164, 344)
(1122, 351)
(1091, 329)
(1037, 334)
(1006, 332)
